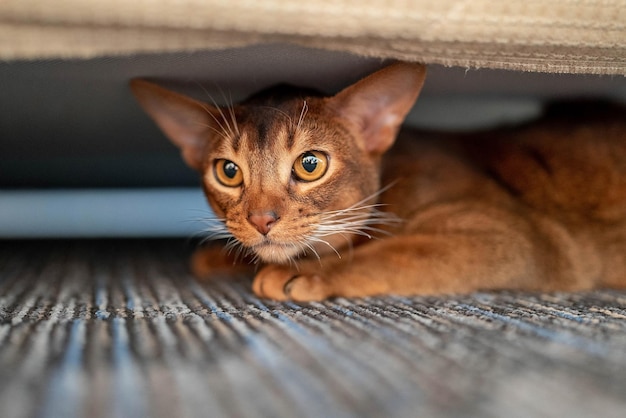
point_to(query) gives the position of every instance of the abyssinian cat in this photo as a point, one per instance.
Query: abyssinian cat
(332, 199)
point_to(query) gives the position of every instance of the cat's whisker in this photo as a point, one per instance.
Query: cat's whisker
(216, 131)
(216, 234)
(312, 249)
(255, 259)
(349, 244)
(241, 252)
(303, 112)
(292, 260)
(374, 218)
(215, 230)
(344, 231)
(230, 128)
(361, 203)
(361, 220)
(231, 109)
(357, 222)
(319, 240)
(356, 229)
(219, 109)
(231, 244)
(359, 206)
(215, 105)
(279, 111)
(367, 218)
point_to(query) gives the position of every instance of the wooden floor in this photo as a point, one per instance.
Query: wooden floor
(120, 329)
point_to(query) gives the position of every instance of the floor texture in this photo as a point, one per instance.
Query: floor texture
(120, 329)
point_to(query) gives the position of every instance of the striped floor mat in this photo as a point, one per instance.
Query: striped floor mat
(120, 329)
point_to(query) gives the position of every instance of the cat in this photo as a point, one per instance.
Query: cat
(335, 200)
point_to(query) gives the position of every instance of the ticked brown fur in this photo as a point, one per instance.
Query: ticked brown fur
(536, 207)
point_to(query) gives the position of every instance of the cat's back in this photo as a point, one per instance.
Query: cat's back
(572, 161)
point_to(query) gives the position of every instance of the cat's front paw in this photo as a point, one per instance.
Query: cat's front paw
(214, 262)
(285, 283)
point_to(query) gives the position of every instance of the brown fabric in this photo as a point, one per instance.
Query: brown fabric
(561, 36)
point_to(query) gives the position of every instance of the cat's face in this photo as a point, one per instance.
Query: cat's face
(292, 176)
(283, 179)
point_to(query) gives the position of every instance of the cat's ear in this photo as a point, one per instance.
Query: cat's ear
(378, 104)
(185, 121)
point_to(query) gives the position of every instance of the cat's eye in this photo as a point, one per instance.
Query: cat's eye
(228, 173)
(310, 166)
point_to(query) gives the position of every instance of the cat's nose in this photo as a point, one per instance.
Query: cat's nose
(263, 221)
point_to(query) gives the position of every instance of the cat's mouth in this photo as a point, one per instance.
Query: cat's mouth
(270, 251)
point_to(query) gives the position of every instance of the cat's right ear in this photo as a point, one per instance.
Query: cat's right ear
(378, 104)
(186, 122)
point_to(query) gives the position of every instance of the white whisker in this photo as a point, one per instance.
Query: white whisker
(317, 239)
(232, 244)
(216, 131)
(361, 219)
(219, 109)
(282, 112)
(230, 128)
(292, 261)
(311, 248)
(303, 112)
(231, 109)
(241, 252)
(216, 230)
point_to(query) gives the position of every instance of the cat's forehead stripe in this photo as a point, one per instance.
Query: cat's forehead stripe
(291, 137)
(265, 133)
(236, 142)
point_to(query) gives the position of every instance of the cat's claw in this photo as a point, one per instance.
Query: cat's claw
(282, 283)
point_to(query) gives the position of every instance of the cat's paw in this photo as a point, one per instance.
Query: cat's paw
(285, 283)
(212, 262)
(200, 263)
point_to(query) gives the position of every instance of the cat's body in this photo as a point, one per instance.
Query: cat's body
(307, 185)
(539, 207)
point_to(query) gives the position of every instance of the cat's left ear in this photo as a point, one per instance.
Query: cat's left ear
(185, 121)
(378, 104)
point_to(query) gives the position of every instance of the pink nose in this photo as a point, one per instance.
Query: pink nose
(263, 221)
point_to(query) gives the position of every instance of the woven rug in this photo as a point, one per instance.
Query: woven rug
(120, 329)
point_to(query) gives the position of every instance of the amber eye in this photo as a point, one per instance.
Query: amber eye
(310, 166)
(228, 173)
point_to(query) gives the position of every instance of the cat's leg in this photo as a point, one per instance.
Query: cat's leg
(613, 244)
(422, 264)
(214, 261)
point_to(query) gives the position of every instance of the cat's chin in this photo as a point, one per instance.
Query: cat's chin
(276, 253)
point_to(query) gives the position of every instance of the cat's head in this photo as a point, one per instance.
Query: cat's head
(289, 171)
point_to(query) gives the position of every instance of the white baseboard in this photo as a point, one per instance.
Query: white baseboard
(97, 213)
